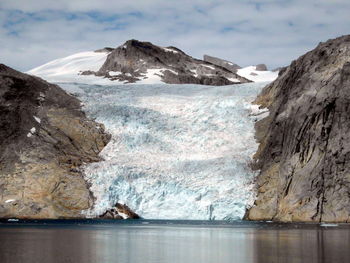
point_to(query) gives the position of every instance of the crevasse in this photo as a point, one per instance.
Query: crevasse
(177, 151)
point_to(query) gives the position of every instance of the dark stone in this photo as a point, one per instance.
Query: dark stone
(221, 63)
(105, 50)
(278, 69)
(261, 67)
(304, 152)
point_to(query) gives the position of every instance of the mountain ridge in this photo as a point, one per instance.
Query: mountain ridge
(144, 63)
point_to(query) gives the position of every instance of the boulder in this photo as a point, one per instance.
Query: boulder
(261, 67)
(120, 211)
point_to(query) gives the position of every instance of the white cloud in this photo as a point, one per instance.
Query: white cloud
(33, 32)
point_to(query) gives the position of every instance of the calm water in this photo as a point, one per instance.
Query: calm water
(173, 242)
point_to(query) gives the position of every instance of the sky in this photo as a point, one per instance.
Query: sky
(274, 32)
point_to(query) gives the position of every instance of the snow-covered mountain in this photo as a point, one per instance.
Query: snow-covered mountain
(144, 63)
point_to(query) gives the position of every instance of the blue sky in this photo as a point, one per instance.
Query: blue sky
(275, 32)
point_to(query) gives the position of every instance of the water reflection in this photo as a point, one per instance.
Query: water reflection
(302, 245)
(173, 244)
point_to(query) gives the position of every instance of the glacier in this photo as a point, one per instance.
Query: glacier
(176, 152)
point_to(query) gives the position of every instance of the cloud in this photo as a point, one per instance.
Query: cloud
(274, 32)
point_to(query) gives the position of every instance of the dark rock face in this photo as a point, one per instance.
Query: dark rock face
(106, 49)
(278, 69)
(261, 67)
(120, 211)
(304, 152)
(131, 62)
(221, 63)
(44, 139)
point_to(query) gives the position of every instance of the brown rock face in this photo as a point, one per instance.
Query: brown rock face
(44, 139)
(304, 152)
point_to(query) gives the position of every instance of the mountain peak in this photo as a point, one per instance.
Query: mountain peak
(144, 63)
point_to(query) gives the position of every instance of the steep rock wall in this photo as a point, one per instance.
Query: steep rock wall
(44, 139)
(304, 152)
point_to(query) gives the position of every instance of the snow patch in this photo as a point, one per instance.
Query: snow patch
(170, 50)
(173, 71)
(10, 200)
(114, 73)
(123, 215)
(31, 132)
(152, 76)
(257, 76)
(37, 119)
(67, 69)
(194, 71)
(207, 66)
(234, 80)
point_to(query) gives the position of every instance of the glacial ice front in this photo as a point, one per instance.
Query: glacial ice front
(177, 151)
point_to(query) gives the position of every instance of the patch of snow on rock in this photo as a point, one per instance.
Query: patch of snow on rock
(170, 50)
(37, 119)
(153, 76)
(208, 66)
(233, 80)
(114, 73)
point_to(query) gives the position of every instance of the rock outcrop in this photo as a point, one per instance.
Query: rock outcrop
(278, 69)
(44, 139)
(120, 211)
(304, 152)
(261, 67)
(135, 61)
(221, 63)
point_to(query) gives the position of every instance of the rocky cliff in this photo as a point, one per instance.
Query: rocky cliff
(44, 139)
(304, 152)
(221, 63)
(136, 61)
